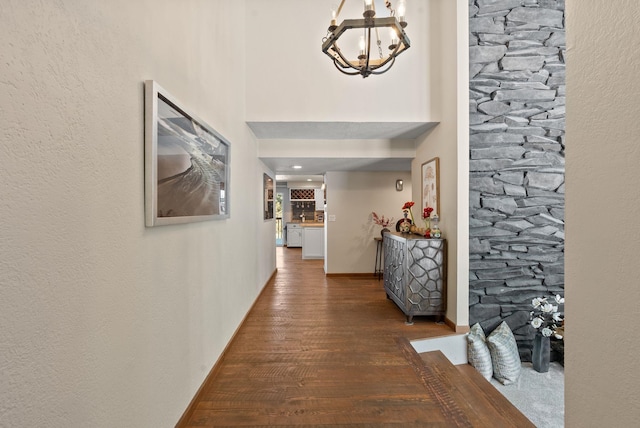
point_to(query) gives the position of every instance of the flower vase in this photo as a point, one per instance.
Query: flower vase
(384, 229)
(541, 353)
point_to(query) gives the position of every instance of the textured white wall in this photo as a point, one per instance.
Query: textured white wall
(449, 141)
(105, 322)
(602, 209)
(351, 197)
(304, 85)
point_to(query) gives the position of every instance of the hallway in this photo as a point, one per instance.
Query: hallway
(318, 350)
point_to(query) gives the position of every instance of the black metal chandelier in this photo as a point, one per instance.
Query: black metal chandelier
(364, 64)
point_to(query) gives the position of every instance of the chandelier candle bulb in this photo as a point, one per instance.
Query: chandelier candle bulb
(394, 39)
(401, 12)
(362, 46)
(334, 17)
(368, 9)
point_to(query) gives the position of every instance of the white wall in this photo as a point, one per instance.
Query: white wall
(449, 141)
(295, 81)
(602, 208)
(351, 197)
(337, 148)
(105, 322)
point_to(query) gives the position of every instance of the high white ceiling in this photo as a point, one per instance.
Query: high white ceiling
(299, 95)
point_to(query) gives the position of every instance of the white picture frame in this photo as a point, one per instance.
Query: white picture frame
(186, 163)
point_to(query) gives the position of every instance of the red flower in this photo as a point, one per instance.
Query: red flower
(427, 212)
(408, 205)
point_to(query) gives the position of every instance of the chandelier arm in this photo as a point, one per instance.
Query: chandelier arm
(340, 69)
(392, 57)
(375, 70)
(345, 60)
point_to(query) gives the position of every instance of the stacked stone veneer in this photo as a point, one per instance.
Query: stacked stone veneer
(517, 122)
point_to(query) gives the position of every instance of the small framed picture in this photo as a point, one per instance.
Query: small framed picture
(430, 185)
(268, 196)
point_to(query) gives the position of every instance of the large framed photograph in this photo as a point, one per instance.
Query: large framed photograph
(186, 163)
(431, 185)
(268, 196)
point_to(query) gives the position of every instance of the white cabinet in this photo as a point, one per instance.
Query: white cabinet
(294, 235)
(313, 242)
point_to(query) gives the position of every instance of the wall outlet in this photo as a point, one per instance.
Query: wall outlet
(332, 217)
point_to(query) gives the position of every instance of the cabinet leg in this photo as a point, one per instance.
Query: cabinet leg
(409, 320)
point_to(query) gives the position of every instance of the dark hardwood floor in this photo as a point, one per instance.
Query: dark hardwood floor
(334, 351)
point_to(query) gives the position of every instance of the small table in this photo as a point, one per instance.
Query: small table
(378, 270)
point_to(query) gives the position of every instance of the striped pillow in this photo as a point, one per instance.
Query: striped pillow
(504, 354)
(478, 352)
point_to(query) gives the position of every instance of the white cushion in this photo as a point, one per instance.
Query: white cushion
(478, 351)
(504, 354)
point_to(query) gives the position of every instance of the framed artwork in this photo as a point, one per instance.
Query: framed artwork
(268, 197)
(186, 163)
(431, 185)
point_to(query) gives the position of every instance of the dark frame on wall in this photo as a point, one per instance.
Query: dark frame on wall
(431, 185)
(268, 192)
(186, 163)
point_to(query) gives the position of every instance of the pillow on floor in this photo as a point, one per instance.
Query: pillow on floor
(478, 351)
(504, 354)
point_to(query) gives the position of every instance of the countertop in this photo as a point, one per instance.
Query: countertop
(307, 223)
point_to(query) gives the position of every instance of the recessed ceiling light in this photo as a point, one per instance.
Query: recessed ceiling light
(296, 167)
(308, 179)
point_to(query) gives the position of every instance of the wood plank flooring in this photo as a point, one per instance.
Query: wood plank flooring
(326, 351)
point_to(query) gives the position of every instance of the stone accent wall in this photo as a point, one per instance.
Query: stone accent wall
(517, 123)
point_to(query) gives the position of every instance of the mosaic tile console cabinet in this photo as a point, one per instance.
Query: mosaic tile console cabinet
(415, 272)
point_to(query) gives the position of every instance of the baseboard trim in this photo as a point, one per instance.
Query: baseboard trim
(457, 328)
(214, 370)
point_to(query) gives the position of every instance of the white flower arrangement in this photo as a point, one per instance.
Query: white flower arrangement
(545, 316)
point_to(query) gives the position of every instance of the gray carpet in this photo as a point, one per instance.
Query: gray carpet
(539, 396)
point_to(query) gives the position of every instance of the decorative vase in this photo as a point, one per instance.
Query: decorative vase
(541, 353)
(405, 223)
(384, 229)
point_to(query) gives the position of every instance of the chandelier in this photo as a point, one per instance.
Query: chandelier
(363, 63)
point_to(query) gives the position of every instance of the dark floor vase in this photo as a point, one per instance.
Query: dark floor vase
(541, 353)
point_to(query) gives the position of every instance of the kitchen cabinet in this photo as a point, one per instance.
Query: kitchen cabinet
(415, 270)
(312, 242)
(294, 235)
